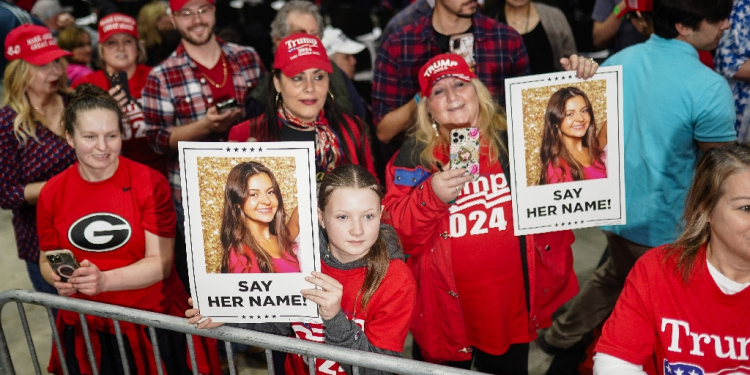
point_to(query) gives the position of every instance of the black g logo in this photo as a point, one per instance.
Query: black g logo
(99, 232)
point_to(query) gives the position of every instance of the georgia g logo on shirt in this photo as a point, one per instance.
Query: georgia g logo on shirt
(99, 232)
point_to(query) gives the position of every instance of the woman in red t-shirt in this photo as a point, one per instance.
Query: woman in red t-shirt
(117, 218)
(685, 308)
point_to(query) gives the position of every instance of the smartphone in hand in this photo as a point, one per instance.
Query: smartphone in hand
(63, 262)
(227, 105)
(464, 150)
(121, 79)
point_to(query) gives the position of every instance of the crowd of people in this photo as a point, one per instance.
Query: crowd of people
(92, 115)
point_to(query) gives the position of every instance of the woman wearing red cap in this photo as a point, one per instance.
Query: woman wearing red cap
(304, 109)
(119, 51)
(32, 149)
(483, 292)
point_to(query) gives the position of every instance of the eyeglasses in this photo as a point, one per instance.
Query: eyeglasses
(188, 14)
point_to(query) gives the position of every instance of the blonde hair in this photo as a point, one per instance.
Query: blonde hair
(148, 33)
(140, 57)
(714, 168)
(18, 76)
(491, 121)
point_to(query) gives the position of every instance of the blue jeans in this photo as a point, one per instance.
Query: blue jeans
(35, 274)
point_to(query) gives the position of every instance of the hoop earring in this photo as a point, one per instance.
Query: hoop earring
(332, 98)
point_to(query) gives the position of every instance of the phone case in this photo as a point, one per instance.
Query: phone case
(226, 105)
(463, 45)
(63, 262)
(121, 78)
(465, 150)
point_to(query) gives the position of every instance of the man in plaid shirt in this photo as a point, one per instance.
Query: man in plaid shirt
(181, 93)
(494, 51)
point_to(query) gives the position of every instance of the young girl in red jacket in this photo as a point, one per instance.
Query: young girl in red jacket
(365, 293)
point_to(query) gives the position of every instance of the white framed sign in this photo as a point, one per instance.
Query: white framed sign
(566, 151)
(251, 229)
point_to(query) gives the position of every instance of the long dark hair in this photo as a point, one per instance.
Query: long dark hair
(553, 149)
(356, 177)
(714, 168)
(335, 117)
(235, 235)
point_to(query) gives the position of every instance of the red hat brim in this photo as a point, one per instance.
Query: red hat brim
(46, 57)
(308, 62)
(461, 76)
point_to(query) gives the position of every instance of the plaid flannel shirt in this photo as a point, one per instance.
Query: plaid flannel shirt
(499, 53)
(174, 96)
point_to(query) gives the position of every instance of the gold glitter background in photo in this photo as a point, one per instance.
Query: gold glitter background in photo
(535, 103)
(212, 177)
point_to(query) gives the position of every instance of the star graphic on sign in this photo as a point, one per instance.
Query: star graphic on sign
(557, 78)
(259, 317)
(243, 317)
(252, 149)
(244, 149)
(678, 371)
(236, 149)
(260, 149)
(693, 373)
(274, 316)
(669, 368)
(266, 316)
(229, 149)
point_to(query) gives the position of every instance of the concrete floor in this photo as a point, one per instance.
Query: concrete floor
(587, 250)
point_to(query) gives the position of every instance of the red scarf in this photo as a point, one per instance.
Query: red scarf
(327, 146)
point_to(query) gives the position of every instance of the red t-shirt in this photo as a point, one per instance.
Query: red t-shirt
(684, 328)
(135, 145)
(385, 321)
(106, 223)
(217, 75)
(487, 262)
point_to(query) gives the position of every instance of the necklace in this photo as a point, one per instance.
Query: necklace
(526, 22)
(224, 81)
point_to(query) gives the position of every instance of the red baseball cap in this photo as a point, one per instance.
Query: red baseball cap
(299, 52)
(117, 23)
(442, 66)
(176, 5)
(33, 44)
(636, 5)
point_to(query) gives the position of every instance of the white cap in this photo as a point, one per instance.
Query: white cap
(46, 9)
(334, 40)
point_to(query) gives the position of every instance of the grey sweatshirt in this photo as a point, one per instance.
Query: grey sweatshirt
(340, 331)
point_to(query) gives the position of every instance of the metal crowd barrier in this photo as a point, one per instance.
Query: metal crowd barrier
(269, 342)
